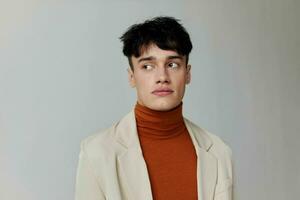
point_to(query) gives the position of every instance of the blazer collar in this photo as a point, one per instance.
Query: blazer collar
(132, 167)
(126, 133)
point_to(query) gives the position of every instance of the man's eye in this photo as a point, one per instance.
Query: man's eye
(173, 65)
(147, 67)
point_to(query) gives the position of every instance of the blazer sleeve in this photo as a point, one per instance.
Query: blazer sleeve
(224, 189)
(87, 187)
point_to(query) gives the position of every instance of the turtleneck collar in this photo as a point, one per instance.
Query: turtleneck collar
(159, 124)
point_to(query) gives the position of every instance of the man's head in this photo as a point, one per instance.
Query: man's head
(158, 51)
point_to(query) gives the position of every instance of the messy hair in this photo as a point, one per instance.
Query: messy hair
(165, 32)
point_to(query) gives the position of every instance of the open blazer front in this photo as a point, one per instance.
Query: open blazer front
(112, 167)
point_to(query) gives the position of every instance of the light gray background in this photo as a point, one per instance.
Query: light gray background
(63, 76)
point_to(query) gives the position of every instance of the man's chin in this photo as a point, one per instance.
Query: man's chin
(163, 105)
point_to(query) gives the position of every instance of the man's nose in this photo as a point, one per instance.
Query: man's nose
(162, 75)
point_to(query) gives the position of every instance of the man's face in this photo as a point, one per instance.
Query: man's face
(160, 77)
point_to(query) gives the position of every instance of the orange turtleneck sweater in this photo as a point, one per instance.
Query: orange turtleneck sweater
(169, 153)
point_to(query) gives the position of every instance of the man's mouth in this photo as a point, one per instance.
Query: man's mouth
(162, 92)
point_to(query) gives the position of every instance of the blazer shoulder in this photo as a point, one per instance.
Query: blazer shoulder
(220, 144)
(221, 151)
(217, 142)
(99, 142)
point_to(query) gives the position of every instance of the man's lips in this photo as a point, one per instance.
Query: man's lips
(162, 92)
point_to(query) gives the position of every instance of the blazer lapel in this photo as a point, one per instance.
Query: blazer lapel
(134, 175)
(132, 167)
(206, 163)
(207, 175)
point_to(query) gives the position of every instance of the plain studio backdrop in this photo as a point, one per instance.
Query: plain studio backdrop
(63, 77)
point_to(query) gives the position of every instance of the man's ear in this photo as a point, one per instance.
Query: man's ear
(188, 74)
(131, 79)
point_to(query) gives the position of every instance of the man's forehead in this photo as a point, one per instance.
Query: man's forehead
(147, 49)
(154, 52)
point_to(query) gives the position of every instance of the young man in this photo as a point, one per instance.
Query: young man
(154, 152)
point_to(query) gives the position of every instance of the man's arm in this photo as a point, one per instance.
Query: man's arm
(87, 187)
(224, 189)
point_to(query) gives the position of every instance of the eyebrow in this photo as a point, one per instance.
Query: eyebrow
(149, 58)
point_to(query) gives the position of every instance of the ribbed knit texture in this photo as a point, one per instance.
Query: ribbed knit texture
(169, 153)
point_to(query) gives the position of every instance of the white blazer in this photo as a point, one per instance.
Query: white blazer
(111, 165)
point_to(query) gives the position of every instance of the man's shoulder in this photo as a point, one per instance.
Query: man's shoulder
(99, 142)
(105, 141)
(219, 145)
(218, 149)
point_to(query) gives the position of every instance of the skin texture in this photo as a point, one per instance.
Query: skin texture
(159, 70)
